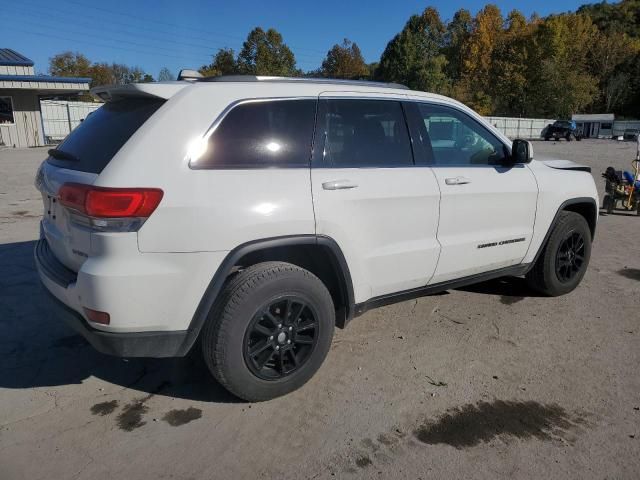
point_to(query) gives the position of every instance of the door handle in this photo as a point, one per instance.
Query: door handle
(339, 185)
(457, 181)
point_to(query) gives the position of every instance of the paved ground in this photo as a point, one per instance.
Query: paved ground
(487, 382)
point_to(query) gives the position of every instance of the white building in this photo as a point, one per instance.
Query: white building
(595, 125)
(20, 93)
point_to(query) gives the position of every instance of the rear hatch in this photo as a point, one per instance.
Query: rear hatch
(80, 159)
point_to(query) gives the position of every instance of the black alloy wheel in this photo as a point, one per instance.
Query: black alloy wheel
(281, 337)
(570, 258)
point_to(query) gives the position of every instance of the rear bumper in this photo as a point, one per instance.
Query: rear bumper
(60, 285)
(139, 344)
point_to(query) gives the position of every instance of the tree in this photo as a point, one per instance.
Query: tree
(124, 74)
(456, 40)
(224, 63)
(101, 74)
(509, 68)
(69, 64)
(75, 64)
(559, 76)
(631, 106)
(345, 61)
(475, 81)
(165, 75)
(609, 54)
(620, 17)
(413, 57)
(265, 53)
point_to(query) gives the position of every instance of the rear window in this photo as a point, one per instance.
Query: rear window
(99, 137)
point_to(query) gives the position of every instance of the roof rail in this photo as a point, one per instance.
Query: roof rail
(332, 81)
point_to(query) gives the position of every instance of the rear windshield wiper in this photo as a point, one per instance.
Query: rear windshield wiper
(62, 155)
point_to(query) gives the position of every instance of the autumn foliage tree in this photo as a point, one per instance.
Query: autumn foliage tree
(345, 61)
(552, 67)
(75, 64)
(414, 57)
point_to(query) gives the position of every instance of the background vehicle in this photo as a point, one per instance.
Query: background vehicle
(275, 209)
(562, 129)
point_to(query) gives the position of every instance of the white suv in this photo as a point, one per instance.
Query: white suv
(250, 215)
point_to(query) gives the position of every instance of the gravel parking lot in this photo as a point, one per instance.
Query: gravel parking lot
(490, 381)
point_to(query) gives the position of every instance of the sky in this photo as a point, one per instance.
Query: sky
(153, 34)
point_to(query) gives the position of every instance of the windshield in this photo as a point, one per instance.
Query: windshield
(91, 146)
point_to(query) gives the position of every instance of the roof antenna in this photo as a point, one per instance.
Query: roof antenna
(189, 75)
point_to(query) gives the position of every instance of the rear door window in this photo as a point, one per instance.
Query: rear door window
(364, 133)
(91, 145)
(262, 134)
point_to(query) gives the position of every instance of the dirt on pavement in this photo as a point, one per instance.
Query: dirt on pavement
(489, 381)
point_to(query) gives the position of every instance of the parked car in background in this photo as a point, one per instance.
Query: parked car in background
(562, 129)
(631, 134)
(250, 215)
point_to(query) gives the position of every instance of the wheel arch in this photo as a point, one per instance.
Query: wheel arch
(585, 206)
(319, 254)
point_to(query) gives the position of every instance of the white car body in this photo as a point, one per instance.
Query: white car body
(400, 230)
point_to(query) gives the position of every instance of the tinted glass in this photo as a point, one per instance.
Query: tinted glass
(361, 133)
(453, 138)
(99, 137)
(261, 135)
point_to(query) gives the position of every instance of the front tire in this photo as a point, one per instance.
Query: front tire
(269, 331)
(564, 260)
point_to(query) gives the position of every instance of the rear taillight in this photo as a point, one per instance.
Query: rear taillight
(109, 209)
(102, 202)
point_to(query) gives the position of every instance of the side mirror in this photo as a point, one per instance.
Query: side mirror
(521, 151)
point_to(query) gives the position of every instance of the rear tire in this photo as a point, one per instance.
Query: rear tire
(564, 259)
(258, 341)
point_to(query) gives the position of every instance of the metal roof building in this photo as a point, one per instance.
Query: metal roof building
(20, 93)
(599, 125)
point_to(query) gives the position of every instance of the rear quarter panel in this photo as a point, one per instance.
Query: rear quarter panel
(208, 210)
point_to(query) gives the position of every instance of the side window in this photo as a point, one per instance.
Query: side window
(272, 133)
(364, 133)
(455, 138)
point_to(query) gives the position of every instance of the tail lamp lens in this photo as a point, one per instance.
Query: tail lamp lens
(102, 202)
